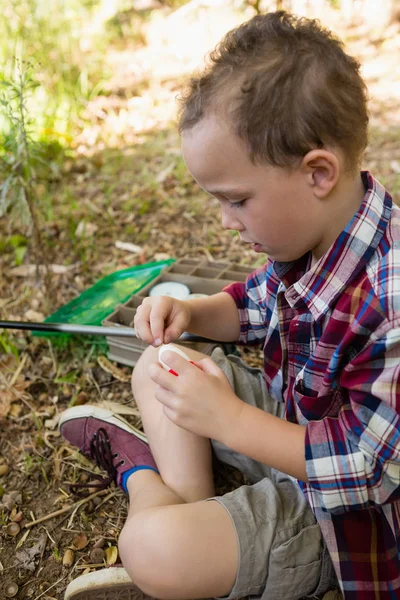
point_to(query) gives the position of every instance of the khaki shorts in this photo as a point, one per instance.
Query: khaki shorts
(282, 555)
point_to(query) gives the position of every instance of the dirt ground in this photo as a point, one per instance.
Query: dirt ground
(127, 180)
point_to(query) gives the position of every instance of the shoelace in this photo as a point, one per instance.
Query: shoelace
(101, 452)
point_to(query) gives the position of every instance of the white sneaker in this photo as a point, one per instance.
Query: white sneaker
(113, 583)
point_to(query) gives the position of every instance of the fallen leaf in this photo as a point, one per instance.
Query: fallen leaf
(85, 229)
(111, 555)
(29, 270)
(34, 315)
(162, 176)
(9, 395)
(15, 410)
(120, 409)
(27, 557)
(79, 542)
(128, 247)
(395, 166)
(52, 423)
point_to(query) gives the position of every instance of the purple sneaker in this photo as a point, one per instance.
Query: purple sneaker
(109, 440)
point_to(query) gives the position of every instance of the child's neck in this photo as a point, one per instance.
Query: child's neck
(344, 202)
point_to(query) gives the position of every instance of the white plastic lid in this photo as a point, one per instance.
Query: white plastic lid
(174, 289)
(193, 296)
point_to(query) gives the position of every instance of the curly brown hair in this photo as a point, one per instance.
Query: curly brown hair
(286, 86)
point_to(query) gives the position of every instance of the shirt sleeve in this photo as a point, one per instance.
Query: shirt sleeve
(250, 299)
(353, 460)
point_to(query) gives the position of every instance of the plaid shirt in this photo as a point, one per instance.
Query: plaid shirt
(331, 336)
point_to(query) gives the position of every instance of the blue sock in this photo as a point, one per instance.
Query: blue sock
(126, 474)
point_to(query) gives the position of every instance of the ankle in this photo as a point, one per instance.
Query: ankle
(142, 478)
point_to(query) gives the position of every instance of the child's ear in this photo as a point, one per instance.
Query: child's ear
(322, 169)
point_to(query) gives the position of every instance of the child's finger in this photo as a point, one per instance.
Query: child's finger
(141, 323)
(157, 324)
(175, 330)
(162, 377)
(165, 396)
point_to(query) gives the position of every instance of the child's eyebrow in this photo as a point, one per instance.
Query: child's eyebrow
(229, 192)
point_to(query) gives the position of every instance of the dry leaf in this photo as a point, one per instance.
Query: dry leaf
(111, 555)
(12, 394)
(15, 410)
(52, 423)
(162, 176)
(79, 542)
(119, 409)
(28, 557)
(30, 270)
(8, 363)
(128, 247)
(85, 229)
(395, 166)
(34, 315)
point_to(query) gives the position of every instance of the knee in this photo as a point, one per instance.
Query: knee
(140, 372)
(146, 553)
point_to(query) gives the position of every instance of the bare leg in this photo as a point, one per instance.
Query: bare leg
(173, 550)
(183, 458)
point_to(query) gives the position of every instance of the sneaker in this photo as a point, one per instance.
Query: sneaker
(113, 583)
(109, 440)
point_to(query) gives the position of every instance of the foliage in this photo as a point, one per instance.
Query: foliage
(18, 151)
(58, 38)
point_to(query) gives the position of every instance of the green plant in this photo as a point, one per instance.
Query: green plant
(56, 554)
(18, 161)
(3, 518)
(62, 41)
(29, 464)
(7, 345)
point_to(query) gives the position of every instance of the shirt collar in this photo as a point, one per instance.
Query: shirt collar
(319, 286)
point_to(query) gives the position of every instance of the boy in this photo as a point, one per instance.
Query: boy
(275, 129)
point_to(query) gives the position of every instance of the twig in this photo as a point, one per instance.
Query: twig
(49, 588)
(18, 371)
(106, 499)
(66, 509)
(90, 566)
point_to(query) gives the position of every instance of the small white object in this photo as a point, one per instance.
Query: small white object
(174, 289)
(171, 348)
(193, 296)
(128, 247)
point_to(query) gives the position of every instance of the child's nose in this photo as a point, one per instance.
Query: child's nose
(229, 221)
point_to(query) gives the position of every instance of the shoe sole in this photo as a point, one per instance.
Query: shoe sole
(107, 584)
(103, 414)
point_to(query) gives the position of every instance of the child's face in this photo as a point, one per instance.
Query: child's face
(274, 210)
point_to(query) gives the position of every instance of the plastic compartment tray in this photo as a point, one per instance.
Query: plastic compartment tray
(201, 276)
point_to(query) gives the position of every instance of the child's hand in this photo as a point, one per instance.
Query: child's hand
(161, 320)
(200, 399)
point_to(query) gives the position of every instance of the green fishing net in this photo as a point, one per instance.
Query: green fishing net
(94, 304)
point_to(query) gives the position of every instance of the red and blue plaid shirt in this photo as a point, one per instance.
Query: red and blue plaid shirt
(331, 336)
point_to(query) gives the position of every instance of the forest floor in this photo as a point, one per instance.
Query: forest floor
(124, 182)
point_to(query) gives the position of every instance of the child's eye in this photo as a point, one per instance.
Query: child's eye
(237, 203)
